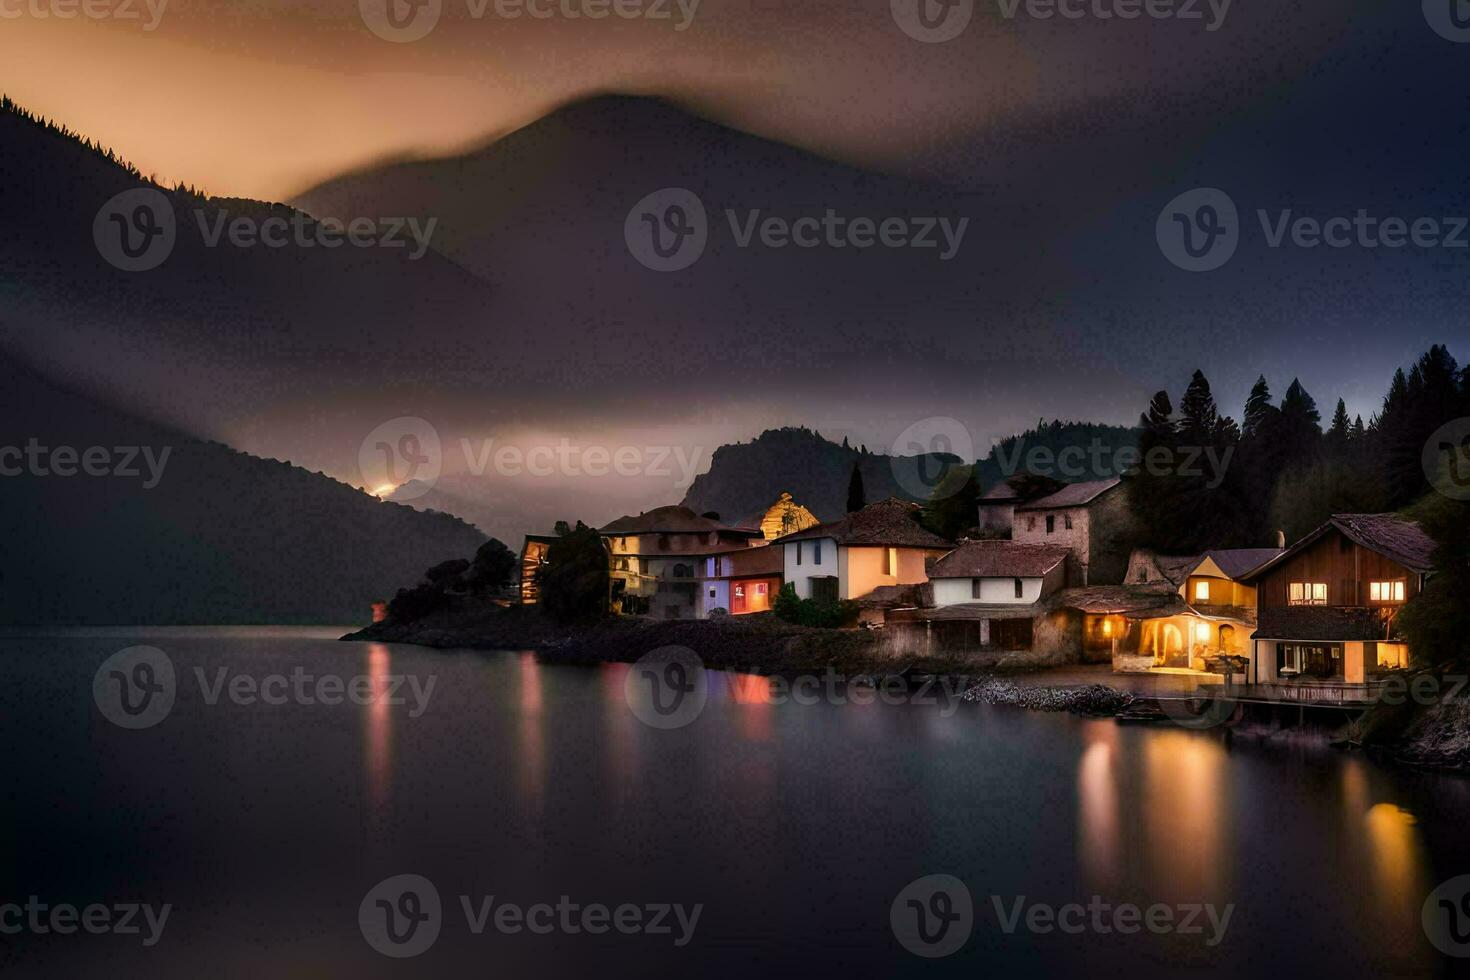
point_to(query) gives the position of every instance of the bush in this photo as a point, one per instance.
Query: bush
(818, 613)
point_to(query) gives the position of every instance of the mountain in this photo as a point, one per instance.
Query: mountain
(745, 478)
(202, 533)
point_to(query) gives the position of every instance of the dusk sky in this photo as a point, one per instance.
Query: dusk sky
(1062, 140)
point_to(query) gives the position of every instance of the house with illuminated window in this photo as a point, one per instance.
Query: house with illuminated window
(1178, 613)
(876, 556)
(656, 558)
(1326, 608)
(740, 580)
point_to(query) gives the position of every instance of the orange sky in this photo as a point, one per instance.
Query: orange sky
(265, 98)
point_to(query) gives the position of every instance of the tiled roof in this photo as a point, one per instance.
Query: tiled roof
(670, 520)
(1402, 540)
(763, 560)
(1124, 600)
(1320, 623)
(1073, 495)
(890, 522)
(998, 559)
(889, 597)
(1235, 562)
(999, 493)
(1392, 536)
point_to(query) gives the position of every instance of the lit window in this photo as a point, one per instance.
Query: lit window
(1308, 594)
(1202, 591)
(1386, 591)
(760, 588)
(890, 561)
(740, 592)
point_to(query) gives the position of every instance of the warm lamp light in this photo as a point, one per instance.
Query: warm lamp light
(1107, 627)
(1202, 632)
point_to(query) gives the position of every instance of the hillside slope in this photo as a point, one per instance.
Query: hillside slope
(222, 537)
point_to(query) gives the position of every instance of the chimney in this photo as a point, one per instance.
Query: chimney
(1281, 540)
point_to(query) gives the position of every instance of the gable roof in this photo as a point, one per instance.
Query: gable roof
(890, 522)
(670, 520)
(1236, 562)
(1394, 537)
(998, 559)
(1073, 495)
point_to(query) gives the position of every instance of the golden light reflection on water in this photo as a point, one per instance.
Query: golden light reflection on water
(751, 693)
(1097, 810)
(532, 737)
(1183, 812)
(378, 730)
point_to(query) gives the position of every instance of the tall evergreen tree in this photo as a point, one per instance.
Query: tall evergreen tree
(1258, 410)
(856, 499)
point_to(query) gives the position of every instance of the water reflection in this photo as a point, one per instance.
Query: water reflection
(532, 738)
(378, 734)
(1182, 813)
(1097, 809)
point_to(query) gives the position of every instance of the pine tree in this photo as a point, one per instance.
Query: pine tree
(1258, 409)
(856, 499)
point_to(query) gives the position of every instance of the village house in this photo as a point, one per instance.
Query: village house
(991, 595)
(874, 556)
(655, 558)
(1326, 608)
(1174, 613)
(741, 580)
(1091, 520)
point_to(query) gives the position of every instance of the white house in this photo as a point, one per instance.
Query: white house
(879, 547)
(998, 572)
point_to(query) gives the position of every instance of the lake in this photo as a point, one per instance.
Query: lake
(267, 807)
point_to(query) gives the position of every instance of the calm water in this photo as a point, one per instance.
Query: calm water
(795, 826)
